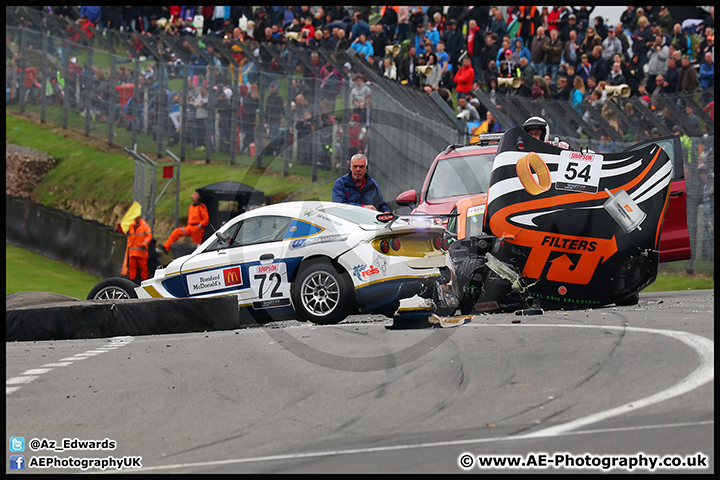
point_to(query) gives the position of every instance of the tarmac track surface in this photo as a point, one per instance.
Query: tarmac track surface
(583, 386)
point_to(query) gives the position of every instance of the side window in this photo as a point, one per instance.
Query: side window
(217, 244)
(261, 230)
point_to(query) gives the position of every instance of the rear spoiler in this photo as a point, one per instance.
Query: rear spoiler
(390, 218)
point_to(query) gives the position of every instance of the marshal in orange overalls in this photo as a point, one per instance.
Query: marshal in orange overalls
(198, 219)
(138, 241)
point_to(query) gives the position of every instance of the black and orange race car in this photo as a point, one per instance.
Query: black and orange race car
(563, 229)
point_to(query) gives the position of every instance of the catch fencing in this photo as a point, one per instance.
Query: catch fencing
(297, 110)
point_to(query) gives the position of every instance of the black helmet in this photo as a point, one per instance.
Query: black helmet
(534, 123)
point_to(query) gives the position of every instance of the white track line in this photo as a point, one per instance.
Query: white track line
(705, 373)
(11, 384)
(475, 441)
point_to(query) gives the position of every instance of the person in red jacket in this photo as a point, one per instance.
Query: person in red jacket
(198, 219)
(139, 236)
(464, 76)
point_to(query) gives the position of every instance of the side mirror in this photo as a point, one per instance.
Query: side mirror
(223, 238)
(407, 198)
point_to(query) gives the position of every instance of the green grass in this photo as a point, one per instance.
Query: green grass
(90, 180)
(28, 272)
(673, 283)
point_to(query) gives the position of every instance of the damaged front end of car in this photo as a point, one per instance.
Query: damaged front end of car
(562, 230)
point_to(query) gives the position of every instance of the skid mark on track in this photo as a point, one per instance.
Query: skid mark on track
(14, 384)
(703, 374)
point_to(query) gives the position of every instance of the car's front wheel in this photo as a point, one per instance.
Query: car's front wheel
(113, 288)
(321, 294)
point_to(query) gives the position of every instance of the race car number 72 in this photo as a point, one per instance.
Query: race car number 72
(269, 282)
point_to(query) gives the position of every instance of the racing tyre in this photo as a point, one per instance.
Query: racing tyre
(321, 294)
(628, 301)
(113, 288)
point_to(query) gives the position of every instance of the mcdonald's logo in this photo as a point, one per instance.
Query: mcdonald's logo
(232, 276)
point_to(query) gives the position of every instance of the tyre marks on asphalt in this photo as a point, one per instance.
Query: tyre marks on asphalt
(703, 374)
(14, 384)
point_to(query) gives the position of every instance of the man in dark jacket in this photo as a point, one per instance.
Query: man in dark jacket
(406, 69)
(274, 108)
(671, 76)
(553, 54)
(357, 187)
(600, 68)
(563, 89)
(688, 76)
(389, 22)
(490, 50)
(571, 25)
(454, 40)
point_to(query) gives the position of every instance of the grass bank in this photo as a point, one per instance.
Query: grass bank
(95, 180)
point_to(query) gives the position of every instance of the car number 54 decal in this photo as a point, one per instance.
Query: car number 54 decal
(270, 285)
(578, 172)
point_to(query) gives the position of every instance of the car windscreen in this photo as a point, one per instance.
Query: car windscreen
(460, 176)
(359, 215)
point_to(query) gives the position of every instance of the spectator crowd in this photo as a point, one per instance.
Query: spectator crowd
(560, 52)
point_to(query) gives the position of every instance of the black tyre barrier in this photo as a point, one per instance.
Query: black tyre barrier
(31, 316)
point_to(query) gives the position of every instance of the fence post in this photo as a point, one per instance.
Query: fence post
(346, 123)
(88, 90)
(43, 77)
(136, 103)
(145, 111)
(289, 125)
(112, 95)
(23, 73)
(177, 185)
(151, 196)
(314, 145)
(210, 133)
(184, 115)
(67, 50)
(160, 116)
(234, 107)
(260, 126)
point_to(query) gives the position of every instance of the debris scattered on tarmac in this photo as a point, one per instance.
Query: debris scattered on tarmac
(447, 322)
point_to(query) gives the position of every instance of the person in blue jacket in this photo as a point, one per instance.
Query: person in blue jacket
(93, 13)
(362, 46)
(358, 188)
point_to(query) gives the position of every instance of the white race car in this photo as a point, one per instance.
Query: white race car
(320, 261)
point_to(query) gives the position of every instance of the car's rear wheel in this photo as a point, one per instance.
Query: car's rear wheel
(321, 294)
(113, 288)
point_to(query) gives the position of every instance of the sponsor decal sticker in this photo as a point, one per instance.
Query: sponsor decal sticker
(363, 272)
(200, 283)
(269, 284)
(232, 276)
(476, 210)
(306, 242)
(578, 172)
